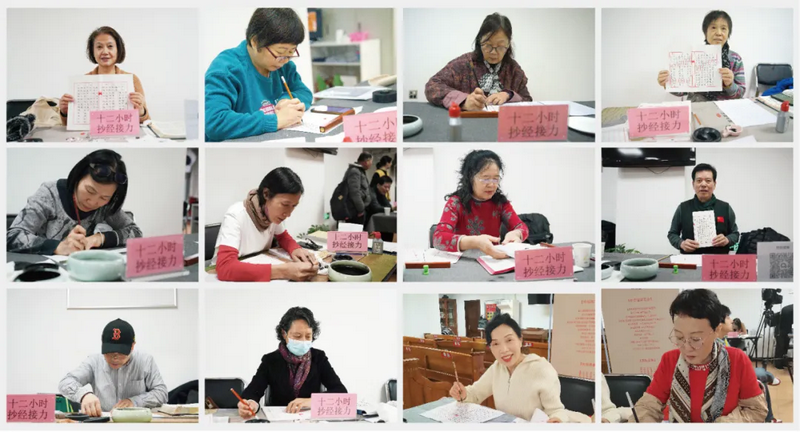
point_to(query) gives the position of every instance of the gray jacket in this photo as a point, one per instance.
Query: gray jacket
(358, 187)
(44, 223)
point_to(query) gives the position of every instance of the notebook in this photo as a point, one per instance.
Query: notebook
(170, 130)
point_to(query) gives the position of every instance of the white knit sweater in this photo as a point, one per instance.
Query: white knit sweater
(534, 384)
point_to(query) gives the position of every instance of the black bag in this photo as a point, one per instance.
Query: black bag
(339, 200)
(538, 228)
(748, 243)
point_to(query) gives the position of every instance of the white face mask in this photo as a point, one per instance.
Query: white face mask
(298, 348)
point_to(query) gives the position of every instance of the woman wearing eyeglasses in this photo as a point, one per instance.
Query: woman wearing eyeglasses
(245, 90)
(81, 212)
(474, 212)
(488, 75)
(702, 380)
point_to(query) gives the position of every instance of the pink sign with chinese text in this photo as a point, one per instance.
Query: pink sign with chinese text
(36, 408)
(729, 268)
(114, 123)
(372, 127)
(650, 122)
(548, 263)
(154, 255)
(334, 405)
(532, 123)
(342, 241)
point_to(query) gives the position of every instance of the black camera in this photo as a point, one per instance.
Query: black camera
(771, 296)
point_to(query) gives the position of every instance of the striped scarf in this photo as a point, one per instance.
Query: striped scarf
(716, 390)
(490, 81)
(298, 367)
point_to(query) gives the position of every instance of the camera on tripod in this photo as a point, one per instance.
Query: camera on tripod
(771, 296)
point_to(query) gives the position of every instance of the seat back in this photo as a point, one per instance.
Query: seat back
(635, 385)
(577, 394)
(219, 390)
(10, 219)
(16, 107)
(212, 231)
(768, 74)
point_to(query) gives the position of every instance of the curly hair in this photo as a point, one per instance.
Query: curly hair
(294, 314)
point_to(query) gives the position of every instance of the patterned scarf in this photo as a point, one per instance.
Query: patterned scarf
(726, 63)
(490, 81)
(257, 213)
(298, 367)
(716, 390)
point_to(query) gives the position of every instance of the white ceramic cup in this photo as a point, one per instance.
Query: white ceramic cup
(581, 253)
(340, 36)
(387, 211)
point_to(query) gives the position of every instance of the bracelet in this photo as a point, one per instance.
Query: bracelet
(145, 113)
(62, 113)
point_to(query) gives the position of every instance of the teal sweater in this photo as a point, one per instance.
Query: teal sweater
(240, 101)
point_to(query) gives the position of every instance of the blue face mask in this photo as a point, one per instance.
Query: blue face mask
(298, 348)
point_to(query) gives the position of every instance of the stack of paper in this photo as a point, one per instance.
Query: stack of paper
(431, 255)
(746, 113)
(687, 259)
(510, 248)
(458, 412)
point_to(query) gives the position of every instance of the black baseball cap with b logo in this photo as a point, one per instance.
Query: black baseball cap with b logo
(118, 337)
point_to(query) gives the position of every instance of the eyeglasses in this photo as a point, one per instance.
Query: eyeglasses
(487, 48)
(694, 342)
(293, 54)
(105, 172)
(487, 181)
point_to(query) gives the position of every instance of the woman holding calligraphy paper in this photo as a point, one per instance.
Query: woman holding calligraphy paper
(250, 226)
(702, 380)
(81, 212)
(294, 371)
(717, 28)
(519, 383)
(474, 213)
(488, 75)
(106, 49)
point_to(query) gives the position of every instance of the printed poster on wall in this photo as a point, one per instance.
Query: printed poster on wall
(572, 343)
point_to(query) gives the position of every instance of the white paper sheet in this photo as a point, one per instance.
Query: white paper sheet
(459, 412)
(705, 228)
(696, 70)
(745, 139)
(290, 140)
(498, 265)
(337, 138)
(687, 259)
(510, 248)
(97, 93)
(350, 227)
(279, 414)
(348, 93)
(746, 113)
(431, 255)
(617, 133)
(539, 416)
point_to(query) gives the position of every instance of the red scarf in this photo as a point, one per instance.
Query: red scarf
(298, 367)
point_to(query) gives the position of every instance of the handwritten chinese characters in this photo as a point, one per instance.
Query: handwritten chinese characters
(532, 123)
(38, 408)
(114, 123)
(667, 120)
(704, 227)
(373, 127)
(729, 268)
(696, 70)
(154, 255)
(98, 93)
(549, 263)
(341, 241)
(333, 405)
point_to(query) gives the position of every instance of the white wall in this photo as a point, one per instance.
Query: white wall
(161, 50)
(559, 63)
(420, 314)
(156, 181)
(758, 183)
(556, 182)
(635, 43)
(225, 28)
(358, 333)
(379, 23)
(35, 366)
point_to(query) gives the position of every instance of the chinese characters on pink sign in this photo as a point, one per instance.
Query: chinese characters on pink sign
(114, 123)
(38, 408)
(334, 405)
(532, 123)
(373, 127)
(729, 268)
(154, 255)
(649, 122)
(342, 241)
(548, 263)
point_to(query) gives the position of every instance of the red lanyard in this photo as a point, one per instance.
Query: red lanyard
(77, 212)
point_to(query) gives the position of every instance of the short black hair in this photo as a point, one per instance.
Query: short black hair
(109, 158)
(491, 25)
(384, 160)
(111, 32)
(698, 304)
(471, 165)
(294, 314)
(281, 180)
(715, 15)
(726, 312)
(364, 157)
(497, 321)
(704, 167)
(384, 180)
(270, 26)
